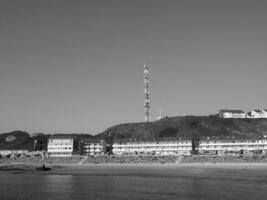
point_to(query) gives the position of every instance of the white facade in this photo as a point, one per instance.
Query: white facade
(232, 146)
(94, 148)
(256, 114)
(60, 146)
(184, 147)
(232, 114)
(175, 147)
(13, 153)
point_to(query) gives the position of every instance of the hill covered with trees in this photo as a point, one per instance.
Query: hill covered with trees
(16, 140)
(190, 127)
(21, 140)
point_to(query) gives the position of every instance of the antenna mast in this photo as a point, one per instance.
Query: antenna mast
(159, 114)
(147, 94)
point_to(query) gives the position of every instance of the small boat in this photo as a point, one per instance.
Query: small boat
(43, 168)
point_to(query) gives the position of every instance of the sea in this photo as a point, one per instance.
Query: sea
(155, 183)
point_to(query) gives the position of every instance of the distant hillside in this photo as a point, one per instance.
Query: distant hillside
(189, 127)
(18, 140)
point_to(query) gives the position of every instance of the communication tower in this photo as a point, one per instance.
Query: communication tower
(147, 94)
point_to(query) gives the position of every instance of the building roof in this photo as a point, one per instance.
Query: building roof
(258, 111)
(92, 140)
(249, 114)
(233, 111)
(233, 138)
(61, 137)
(150, 140)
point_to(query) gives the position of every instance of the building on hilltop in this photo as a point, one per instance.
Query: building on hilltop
(254, 114)
(61, 146)
(257, 114)
(232, 114)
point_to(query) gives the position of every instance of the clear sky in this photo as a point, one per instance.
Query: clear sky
(77, 66)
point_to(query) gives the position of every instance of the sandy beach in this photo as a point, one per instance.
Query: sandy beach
(258, 169)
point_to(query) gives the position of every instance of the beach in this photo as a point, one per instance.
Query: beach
(256, 170)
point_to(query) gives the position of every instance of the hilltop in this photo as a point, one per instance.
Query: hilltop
(189, 127)
(186, 127)
(16, 140)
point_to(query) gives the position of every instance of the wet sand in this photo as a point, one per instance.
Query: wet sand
(240, 170)
(138, 181)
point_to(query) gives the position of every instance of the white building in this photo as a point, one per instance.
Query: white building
(224, 147)
(153, 147)
(14, 153)
(232, 114)
(60, 146)
(93, 147)
(255, 114)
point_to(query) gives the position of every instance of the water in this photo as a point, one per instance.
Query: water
(141, 183)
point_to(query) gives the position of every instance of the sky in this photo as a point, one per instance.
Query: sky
(77, 66)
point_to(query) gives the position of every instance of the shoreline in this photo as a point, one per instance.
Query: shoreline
(175, 165)
(189, 170)
(121, 165)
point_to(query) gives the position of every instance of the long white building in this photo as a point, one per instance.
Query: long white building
(153, 147)
(14, 153)
(184, 147)
(224, 147)
(240, 114)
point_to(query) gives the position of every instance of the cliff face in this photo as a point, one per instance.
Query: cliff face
(189, 127)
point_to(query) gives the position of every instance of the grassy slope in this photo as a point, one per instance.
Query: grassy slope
(190, 127)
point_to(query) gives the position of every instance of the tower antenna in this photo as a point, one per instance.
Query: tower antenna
(159, 117)
(147, 94)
